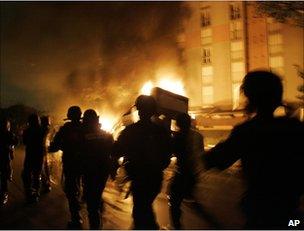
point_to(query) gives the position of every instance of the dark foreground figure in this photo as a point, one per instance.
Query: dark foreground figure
(7, 142)
(96, 165)
(68, 140)
(188, 147)
(45, 176)
(271, 151)
(146, 147)
(33, 161)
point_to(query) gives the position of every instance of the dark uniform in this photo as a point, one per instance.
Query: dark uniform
(7, 142)
(188, 147)
(146, 148)
(46, 181)
(96, 164)
(31, 175)
(68, 139)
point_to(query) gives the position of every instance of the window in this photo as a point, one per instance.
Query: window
(207, 74)
(205, 17)
(275, 43)
(236, 30)
(236, 95)
(207, 93)
(235, 11)
(276, 61)
(237, 71)
(206, 55)
(273, 26)
(276, 64)
(206, 36)
(237, 50)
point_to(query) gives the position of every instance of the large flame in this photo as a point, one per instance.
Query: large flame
(147, 88)
(107, 123)
(175, 86)
(169, 84)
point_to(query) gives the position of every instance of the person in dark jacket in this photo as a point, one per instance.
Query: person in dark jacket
(188, 147)
(68, 140)
(96, 164)
(46, 178)
(7, 142)
(271, 151)
(146, 148)
(31, 174)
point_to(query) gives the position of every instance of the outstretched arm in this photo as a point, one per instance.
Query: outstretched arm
(224, 154)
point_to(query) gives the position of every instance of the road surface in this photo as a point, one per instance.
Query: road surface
(217, 194)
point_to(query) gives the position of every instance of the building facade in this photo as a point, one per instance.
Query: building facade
(224, 40)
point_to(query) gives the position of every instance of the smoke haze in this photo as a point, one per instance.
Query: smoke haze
(91, 54)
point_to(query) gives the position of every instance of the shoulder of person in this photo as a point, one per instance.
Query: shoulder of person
(105, 134)
(290, 122)
(131, 127)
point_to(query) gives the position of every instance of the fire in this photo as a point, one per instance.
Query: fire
(147, 88)
(169, 84)
(107, 123)
(172, 85)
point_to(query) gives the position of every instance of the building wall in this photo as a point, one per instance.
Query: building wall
(262, 43)
(293, 46)
(257, 48)
(221, 54)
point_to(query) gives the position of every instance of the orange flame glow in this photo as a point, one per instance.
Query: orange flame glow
(107, 123)
(169, 84)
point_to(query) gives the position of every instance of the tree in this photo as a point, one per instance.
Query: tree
(291, 12)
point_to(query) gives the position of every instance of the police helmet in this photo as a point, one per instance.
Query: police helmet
(90, 116)
(146, 103)
(74, 113)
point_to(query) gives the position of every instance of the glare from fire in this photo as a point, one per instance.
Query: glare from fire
(147, 88)
(107, 123)
(172, 85)
(169, 84)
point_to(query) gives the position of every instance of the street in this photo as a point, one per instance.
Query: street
(217, 194)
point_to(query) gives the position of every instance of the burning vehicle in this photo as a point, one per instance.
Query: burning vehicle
(169, 105)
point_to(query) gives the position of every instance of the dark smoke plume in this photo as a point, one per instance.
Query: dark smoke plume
(94, 54)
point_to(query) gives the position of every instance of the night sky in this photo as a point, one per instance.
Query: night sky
(91, 54)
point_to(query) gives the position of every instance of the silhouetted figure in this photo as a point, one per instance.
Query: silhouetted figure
(46, 178)
(271, 151)
(68, 140)
(31, 174)
(147, 150)
(188, 147)
(95, 160)
(7, 142)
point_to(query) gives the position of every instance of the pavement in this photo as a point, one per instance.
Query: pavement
(215, 204)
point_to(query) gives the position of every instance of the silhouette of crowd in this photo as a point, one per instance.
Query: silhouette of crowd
(270, 149)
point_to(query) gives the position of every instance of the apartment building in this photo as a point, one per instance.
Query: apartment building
(224, 40)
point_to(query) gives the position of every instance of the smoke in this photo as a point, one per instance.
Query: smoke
(96, 55)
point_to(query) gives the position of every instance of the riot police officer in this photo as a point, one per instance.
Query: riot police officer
(146, 147)
(95, 160)
(188, 147)
(68, 139)
(7, 142)
(31, 174)
(45, 127)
